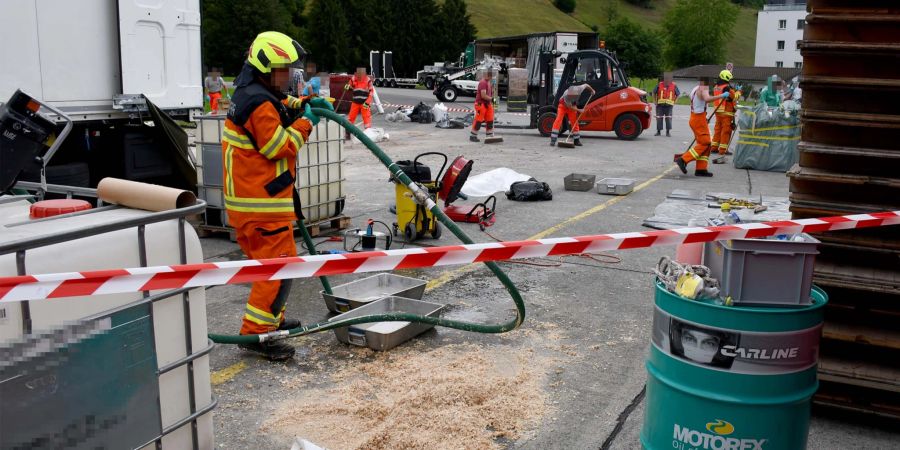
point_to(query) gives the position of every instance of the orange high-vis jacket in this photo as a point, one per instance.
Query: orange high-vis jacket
(362, 90)
(260, 143)
(727, 104)
(666, 93)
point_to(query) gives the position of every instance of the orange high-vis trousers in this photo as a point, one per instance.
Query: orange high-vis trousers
(722, 133)
(355, 109)
(262, 240)
(564, 112)
(484, 112)
(214, 101)
(700, 151)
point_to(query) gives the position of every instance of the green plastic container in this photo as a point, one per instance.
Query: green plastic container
(731, 378)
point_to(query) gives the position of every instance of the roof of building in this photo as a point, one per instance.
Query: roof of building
(740, 72)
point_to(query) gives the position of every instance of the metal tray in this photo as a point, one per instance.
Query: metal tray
(615, 186)
(357, 293)
(579, 182)
(386, 335)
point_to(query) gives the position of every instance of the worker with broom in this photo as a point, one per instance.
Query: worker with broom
(260, 143)
(699, 123)
(568, 109)
(725, 109)
(484, 107)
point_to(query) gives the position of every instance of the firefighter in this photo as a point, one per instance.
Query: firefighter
(484, 107)
(724, 114)
(665, 92)
(362, 88)
(264, 131)
(568, 109)
(700, 97)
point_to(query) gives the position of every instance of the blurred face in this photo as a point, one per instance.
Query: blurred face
(281, 78)
(699, 346)
(360, 73)
(667, 77)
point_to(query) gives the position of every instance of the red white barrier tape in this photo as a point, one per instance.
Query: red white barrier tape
(37, 287)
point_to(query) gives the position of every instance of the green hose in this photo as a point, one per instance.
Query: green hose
(392, 317)
(326, 286)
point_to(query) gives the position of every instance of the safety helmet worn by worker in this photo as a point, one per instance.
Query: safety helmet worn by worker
(725, 75)
(272, 49)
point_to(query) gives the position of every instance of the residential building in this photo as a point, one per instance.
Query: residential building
(779, 30)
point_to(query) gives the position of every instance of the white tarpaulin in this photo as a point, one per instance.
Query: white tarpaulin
(492, 181)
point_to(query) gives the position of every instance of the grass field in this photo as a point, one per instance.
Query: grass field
(509, 17)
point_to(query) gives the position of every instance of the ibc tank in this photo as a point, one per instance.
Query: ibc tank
(165, 332)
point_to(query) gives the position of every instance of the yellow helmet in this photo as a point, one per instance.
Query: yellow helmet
(725, 75)
(273, 49)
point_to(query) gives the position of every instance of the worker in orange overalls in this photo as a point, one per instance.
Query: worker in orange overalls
(568, 109)
(724, 114)
(700, 96)
(484, 107)
(362, 88)
(263, 134)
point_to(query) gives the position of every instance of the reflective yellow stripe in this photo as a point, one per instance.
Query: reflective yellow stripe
(237, 140)
(271, 148)
(264, 205)
(229, 179)
(261, 313)
(256, 318)
(703, 158)
(293, 102)
(761, 144)
(281, 166)
(713, 144)
(694, 153)
(296, 136)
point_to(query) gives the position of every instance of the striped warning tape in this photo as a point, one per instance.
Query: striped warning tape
(71, 284)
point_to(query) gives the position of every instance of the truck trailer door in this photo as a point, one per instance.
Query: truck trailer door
(159, 42)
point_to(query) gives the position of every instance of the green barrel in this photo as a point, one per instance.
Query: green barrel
(730, 377)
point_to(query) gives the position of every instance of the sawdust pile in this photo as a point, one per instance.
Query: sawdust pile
(457, 396)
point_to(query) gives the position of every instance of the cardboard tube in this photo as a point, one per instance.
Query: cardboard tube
(150, 197)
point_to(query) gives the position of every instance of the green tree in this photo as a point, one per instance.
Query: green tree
(414, 45)
(642, 3)
(697, 30)
(638, 47)
(566, 6)
(456, 29)
(328, 35)
(229, 26)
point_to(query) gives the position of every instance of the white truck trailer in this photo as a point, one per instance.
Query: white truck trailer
(115, 67)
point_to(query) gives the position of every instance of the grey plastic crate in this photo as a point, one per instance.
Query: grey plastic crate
(357, 293)
(768, 272)
(615, 186)
(579, 182)
(386, 335)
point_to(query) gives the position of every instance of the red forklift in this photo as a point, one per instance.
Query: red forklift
(617, 106)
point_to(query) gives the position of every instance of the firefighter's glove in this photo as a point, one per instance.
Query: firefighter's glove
(366, 105)
(726, 94)
(319, 102)
(308, 114)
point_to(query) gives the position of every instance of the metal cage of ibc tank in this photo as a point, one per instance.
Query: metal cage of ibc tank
(200, 433)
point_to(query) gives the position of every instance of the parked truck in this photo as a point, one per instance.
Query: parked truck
(122, 70)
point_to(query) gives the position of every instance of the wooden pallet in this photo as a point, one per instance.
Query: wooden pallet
(315, 229)
(333, 224)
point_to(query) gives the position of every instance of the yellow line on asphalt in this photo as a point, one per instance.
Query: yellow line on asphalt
(451, 275)
(223, 375)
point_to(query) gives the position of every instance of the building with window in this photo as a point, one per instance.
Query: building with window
(779, 30)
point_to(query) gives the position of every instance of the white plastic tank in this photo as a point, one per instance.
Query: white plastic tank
(320, 176)
(115, 250)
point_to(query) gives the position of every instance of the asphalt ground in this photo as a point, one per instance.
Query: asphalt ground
(588, 321)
